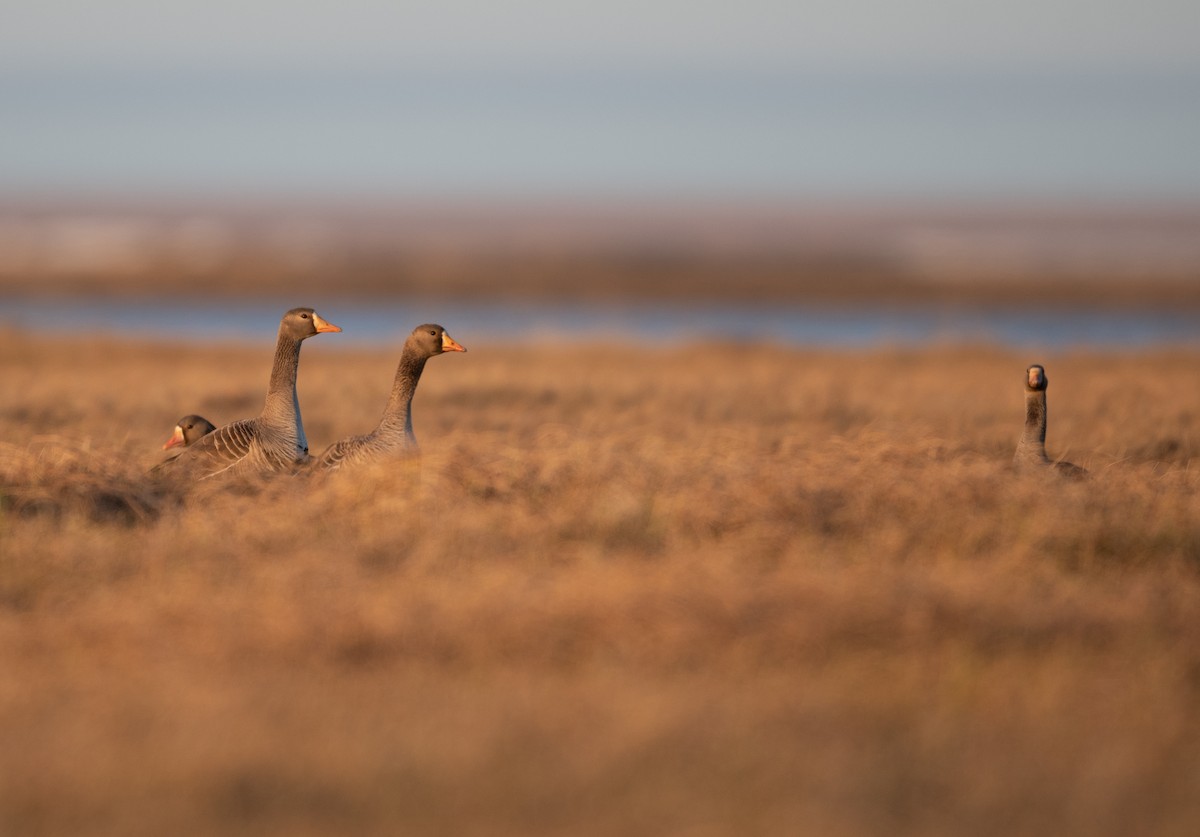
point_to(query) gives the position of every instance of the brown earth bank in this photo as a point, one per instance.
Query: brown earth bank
(705, 589)
(658, 277)
(1060, 256)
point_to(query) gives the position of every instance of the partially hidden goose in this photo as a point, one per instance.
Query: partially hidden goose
(393, 437)
(274, 440)
(1031, 449)
(188, 430)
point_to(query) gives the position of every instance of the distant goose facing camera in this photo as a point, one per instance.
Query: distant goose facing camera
(1031, 449)
(393, 437)
(274, 440)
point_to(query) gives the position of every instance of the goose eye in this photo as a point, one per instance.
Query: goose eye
(304, 316)
(433, 334)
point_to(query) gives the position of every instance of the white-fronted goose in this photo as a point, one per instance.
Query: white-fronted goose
(394, 434)
(188, 430)
(1031, 449)
(274, 440)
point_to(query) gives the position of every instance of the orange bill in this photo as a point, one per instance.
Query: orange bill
(322, 324)
(449, 345)
(176, 438)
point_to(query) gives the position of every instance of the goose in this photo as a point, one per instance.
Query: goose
(394, 434)
(1031, 449)
(274, 440)
(188, 430)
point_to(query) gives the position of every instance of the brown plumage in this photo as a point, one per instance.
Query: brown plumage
(274, 440)
(1031, 448)
(188, 430)
(393, 436)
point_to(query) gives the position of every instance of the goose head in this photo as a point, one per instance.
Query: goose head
(301, 323)
(431, 339)
(188, 430)
(1035, 378)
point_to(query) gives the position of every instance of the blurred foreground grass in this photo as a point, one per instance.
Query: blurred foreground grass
(712, 589)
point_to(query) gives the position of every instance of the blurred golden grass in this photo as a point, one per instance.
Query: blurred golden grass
(710, 589)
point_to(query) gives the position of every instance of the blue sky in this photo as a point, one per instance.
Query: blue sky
(926, 98)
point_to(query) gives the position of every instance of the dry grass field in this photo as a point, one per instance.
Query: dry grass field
(702, 590)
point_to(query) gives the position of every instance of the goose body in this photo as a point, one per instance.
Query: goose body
(273, 440)
(393, 436)
(1031, 448)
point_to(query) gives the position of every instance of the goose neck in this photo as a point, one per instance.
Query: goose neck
(1034, 437)
(408, 374)
(281, 393)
